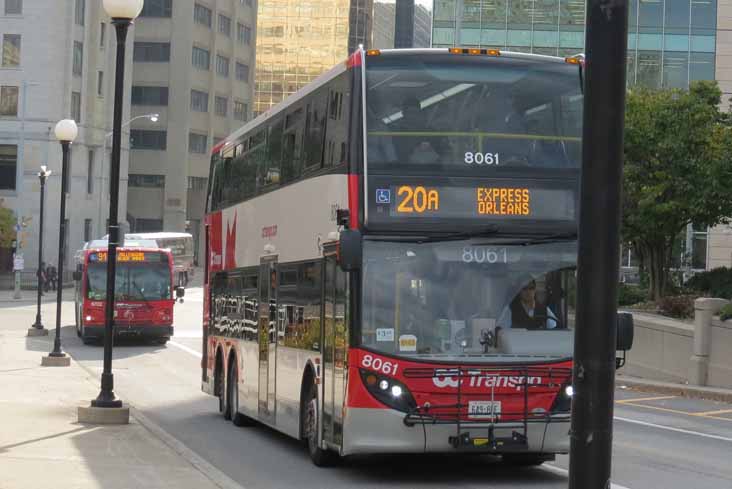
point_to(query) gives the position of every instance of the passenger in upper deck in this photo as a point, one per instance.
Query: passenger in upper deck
(525, 311)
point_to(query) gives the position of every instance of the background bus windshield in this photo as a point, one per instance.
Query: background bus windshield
(471, 112)
(134, 281)
(464, 299)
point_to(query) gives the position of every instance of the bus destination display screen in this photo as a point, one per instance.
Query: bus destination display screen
(476, 202)
(128, 256)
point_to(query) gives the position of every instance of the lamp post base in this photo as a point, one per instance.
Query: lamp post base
(55, 361)
(103, 415)
(33, 331)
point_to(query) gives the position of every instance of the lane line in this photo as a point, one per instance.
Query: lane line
(671, 428)
(678, 411)
(711, 413)
(185, 349)
(565, 472)
(641, 399)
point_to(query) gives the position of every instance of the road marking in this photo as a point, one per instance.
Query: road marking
(185, 349)
(565, 472)
(671, 428)
(711, 413)
(708, 415)
(641, 399)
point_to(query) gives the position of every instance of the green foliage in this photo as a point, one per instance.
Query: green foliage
(677, 306)
(714, 283)
(7, 227)
(677, 151)
(631, 294)
(726, 312)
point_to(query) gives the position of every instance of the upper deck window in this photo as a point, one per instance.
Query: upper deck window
(457, 113)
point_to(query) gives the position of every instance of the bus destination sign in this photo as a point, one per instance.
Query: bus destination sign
(477, 202)
(124, 256)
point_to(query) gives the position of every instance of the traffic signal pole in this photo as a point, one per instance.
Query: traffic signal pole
(599, 242)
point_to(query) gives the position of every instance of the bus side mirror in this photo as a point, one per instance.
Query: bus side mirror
(350, 250)
(180, 292)
(624, 341)
(77, 275)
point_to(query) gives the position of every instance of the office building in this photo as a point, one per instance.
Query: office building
(58, 62)
(193, 66)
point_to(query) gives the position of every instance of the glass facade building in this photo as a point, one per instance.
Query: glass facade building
(670, 42)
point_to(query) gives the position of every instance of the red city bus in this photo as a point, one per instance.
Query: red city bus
(391, 257)
(143, 294)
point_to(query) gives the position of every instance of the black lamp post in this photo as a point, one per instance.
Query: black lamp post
(122, 13)
(66, 132)
(42, 176)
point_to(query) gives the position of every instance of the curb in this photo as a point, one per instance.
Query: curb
(670, 388)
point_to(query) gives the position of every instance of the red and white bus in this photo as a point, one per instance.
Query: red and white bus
(144, 293)
(391, 257)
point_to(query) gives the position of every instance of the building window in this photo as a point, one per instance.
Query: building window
(197, 183)
(242, 72)
(9, 101)
(202, 15)
(76, 106)
(87, 230)
(90, 173)
(100, 83)
(148, 225)
(79, 12)
(197, 143)
(102, 34)
(78, 61)
(222, 66)
(8, 162)
(199, 101)
(221, 106)
(148, 139)
(157, 8)
(11, 50)
(243, 33)
(13, 7)
(152, 52)
(240, 111)
(224, 25)
(201, 58)
(146, 181)
(149, 96)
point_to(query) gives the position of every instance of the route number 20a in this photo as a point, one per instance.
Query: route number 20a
(376, 363)
(481, 158)
(417, 199)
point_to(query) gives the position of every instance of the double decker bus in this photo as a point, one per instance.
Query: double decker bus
(391, 257)
(144, 293)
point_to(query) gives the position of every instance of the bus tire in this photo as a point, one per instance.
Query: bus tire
(233, 400)
(77, 317)
(219, 384)
(320, 457)
(525, 459)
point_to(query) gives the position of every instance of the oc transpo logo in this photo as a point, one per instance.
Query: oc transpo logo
(450, 378)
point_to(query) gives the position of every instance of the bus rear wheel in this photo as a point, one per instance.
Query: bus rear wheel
(233, 400)
(320, 457)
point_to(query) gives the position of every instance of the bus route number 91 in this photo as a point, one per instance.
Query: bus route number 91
(480, 159)
(376, 363)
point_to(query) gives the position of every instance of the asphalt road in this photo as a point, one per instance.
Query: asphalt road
(660, 441)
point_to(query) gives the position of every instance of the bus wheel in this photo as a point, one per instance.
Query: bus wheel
(319, 456)
(233, 400)
(78, 320)
(525, 459)
(219, 386)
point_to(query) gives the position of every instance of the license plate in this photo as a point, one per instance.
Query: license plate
(484, 409)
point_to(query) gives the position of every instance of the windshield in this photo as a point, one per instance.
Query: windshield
(461, 299)
(448, 110)
(134, 281)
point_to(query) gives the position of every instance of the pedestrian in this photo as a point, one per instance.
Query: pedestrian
(43, 278)
(53, 277)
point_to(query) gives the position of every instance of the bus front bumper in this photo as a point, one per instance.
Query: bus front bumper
(127, 330)
(369, 430)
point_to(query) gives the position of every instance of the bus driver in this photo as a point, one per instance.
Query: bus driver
(525, 311)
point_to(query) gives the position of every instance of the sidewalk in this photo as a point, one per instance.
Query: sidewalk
(41, 443)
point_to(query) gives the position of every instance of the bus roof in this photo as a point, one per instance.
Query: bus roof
(128, 243)
(160, 235)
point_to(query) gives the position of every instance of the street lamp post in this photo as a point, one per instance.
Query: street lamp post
(122, 13)
(66, 132)
(42, 176)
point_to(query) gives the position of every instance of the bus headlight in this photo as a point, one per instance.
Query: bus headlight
(563, 401)
(388, 391)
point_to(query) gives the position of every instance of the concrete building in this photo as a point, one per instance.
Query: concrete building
(193, 65)
(670, 44)
(58, 61)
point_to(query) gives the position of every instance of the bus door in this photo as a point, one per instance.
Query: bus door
(334, 349)
(267, 336)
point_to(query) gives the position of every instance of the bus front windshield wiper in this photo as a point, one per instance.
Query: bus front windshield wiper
(142, 294)
(484, 232)
(546, 239)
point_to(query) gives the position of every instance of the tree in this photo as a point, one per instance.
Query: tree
(678, 170)
(7, 226)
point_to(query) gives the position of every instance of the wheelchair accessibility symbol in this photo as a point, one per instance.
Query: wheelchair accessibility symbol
(383, 196)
